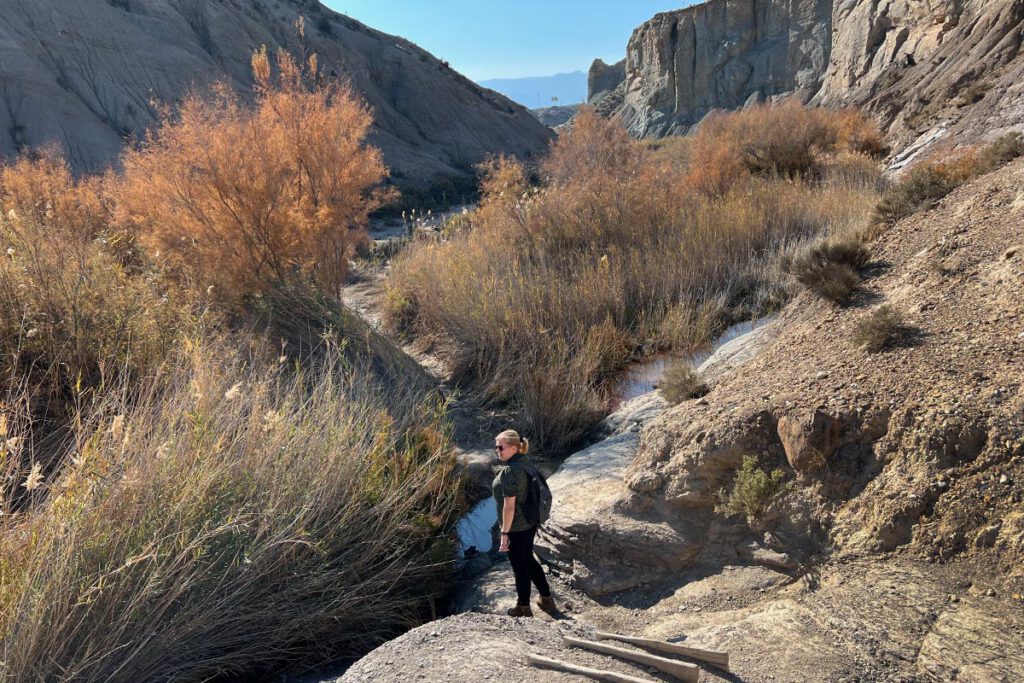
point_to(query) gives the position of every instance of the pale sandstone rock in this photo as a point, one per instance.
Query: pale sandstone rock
(977, 640)
(718, 55)
(603, 77)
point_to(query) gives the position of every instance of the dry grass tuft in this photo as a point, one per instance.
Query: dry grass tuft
(830, 269)
(229, 520)
(681, 382)
(878, 329)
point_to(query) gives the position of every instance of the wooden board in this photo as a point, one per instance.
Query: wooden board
(718, 659)
(684, 671)
(596, 674)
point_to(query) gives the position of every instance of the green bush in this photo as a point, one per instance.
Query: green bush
(878, 329)
(752, 491)
(681, 382)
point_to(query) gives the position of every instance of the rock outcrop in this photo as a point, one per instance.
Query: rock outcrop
(954, 65)
(720, 55)
(603, 77)
(85, 75)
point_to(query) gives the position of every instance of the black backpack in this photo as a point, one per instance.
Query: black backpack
(537, 506)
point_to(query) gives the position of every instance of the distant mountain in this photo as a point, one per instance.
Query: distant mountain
(537, 91)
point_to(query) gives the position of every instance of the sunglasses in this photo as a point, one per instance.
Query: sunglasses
(499, 447)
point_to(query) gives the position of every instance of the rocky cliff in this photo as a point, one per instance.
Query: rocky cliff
(85, 74)
(918, 64)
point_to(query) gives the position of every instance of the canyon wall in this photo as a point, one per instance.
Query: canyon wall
(916, 64)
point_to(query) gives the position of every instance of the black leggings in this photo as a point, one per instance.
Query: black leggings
(525, 566)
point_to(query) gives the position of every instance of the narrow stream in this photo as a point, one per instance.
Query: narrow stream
(476, 526)
(642, 378)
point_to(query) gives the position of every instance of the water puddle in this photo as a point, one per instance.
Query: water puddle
(474, 528)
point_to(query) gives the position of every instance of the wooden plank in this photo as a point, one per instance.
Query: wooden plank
(596, 674)
(718, 659)
(684, 671)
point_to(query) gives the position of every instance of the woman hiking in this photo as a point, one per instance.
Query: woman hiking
(517, 534)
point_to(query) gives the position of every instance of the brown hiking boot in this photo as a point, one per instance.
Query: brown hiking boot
(547, 604)
(520, 611)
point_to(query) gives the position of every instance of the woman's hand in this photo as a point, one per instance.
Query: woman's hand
(508, 512)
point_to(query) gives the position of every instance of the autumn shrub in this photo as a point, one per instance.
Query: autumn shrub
(1000, 152)
(246, 197)
(829, 268)
(927, 182)
(878, 329)
(753, 490)
(681, 382)
(551, 290)
(73, 318)
(228, 521)
(40, 187)
(784, 139)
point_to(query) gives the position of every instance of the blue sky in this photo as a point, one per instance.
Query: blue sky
(511, 38)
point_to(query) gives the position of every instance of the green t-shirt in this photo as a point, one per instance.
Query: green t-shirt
(512, 481)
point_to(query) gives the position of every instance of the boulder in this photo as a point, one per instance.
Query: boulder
(809, 441)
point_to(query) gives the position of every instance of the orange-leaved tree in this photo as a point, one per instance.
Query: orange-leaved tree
(246, 197)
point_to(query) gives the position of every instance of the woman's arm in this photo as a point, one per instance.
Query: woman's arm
(508, 512)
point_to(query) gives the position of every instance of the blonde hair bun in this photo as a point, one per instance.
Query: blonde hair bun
(512, 438)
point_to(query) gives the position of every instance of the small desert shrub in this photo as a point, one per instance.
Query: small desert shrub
(229, 521)
(681, 382)
(830, 269)
(245, 198)
(878, 329)
(932, 179)
(753, 490)
(1000, 152)
(924, 184)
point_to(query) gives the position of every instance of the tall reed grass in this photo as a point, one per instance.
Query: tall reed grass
(233, 519)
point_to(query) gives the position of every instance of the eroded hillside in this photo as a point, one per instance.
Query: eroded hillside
(86, 75)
